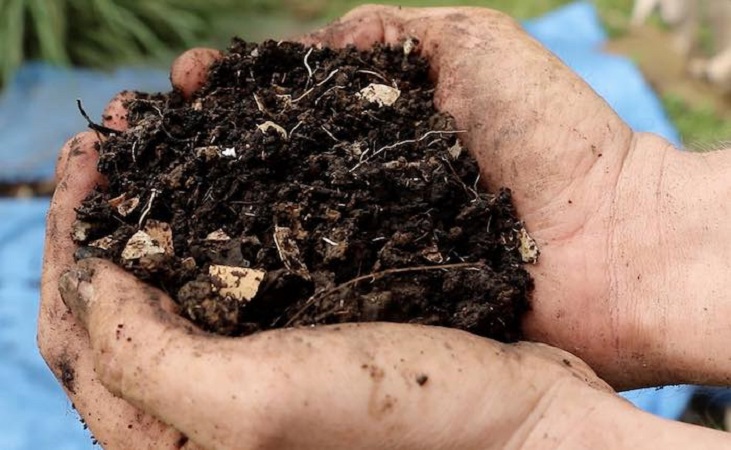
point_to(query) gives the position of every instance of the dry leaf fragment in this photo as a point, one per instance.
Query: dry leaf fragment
(410, 44)
(161, 233)
(208, 153)
(266, 126)
(289, 253)
(80, 231)
(239, 283)
(380, 94)
(104, 243)
(140, 245)
(455, 151)
(528, 248)
(432, 254)
(218, 236)
(126, 207)
(156, 238)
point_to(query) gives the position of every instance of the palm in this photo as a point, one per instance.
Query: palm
(535, 127)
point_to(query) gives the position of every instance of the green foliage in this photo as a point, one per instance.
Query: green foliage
(701, 129)
(100, 33)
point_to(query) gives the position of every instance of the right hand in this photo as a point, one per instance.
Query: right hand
(623, 220)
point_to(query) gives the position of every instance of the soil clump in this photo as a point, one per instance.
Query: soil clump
(306, 186)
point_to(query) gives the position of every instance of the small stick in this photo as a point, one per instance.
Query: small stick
(373, 276)
(106, 131)
(329, 133)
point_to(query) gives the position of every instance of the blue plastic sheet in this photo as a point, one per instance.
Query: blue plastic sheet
(38, 114)
(576, 35)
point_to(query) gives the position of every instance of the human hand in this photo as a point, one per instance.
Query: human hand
(356, 386)
(142, 374)
(63, 343)
(633, 275)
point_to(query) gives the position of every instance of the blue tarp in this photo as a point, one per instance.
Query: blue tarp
(38, 113)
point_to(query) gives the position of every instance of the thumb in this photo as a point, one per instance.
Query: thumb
(135, 335)
(189, 71)
(367, 25)
(157, 361)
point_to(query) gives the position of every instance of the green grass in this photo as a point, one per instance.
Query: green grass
(701, 129)
(100, 33)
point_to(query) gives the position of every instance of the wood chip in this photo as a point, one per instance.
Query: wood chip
(528, 248)
(218, 236)
(140, 245)
(380, 94)
(239, 283)
(80, 231)
(104, 243)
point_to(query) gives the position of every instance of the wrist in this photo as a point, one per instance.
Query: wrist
(670, 262)
(580, 417)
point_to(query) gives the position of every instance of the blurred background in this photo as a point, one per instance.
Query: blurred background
(108, 33)
(54, 51)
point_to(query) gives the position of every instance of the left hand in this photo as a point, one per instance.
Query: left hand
(358, 386)
(63, 343)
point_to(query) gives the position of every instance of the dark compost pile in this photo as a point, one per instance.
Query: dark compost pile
(309, 186)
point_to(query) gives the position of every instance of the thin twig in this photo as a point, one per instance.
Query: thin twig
(329, 133)
(101, 129)
(373, 277)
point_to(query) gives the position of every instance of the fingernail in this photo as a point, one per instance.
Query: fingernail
(76, 291)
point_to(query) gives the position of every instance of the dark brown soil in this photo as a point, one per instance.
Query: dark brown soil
(283, 194)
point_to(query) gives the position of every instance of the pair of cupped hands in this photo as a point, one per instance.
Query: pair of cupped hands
(634, 278)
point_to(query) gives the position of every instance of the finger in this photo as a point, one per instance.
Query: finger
(63, 343)
(574, 365)
(279, 385)
(140, 349)
(190, 70)
(367, 25)
(115, 113)
(80, 144)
